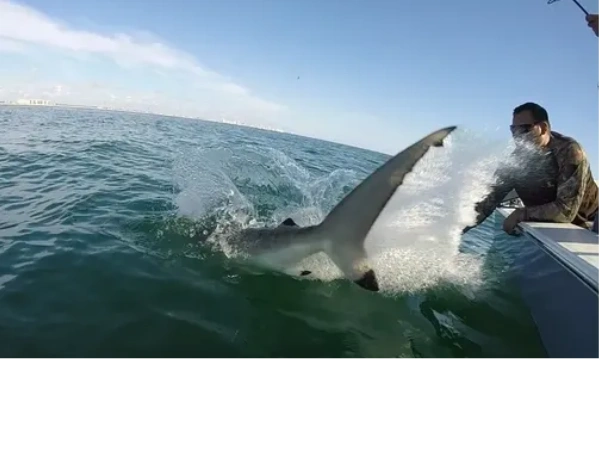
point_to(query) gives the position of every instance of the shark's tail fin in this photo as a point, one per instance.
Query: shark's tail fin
(347, 225)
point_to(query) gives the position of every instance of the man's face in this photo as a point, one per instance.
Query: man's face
(525, 128)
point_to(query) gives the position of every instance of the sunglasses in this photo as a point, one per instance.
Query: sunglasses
(522, 129)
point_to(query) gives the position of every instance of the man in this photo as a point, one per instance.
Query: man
(593, 22)
(552, 175)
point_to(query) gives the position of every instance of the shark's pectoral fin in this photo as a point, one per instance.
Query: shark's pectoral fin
(353, 261)
(288, 222)
(368, 281)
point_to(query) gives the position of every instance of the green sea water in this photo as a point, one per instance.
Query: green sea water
(110, 246)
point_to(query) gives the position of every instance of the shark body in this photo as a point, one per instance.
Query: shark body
(342, 233)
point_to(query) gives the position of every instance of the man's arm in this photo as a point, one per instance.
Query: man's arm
(499, 190)
(488, 205)
(573, 169)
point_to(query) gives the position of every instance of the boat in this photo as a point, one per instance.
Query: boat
(558, 283)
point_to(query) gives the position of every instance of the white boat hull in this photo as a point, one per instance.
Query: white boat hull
(559, 286)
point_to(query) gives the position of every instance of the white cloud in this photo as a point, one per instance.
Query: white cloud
(23, 30)
(43, 57)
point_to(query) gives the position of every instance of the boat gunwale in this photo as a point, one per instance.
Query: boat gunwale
(582, 269)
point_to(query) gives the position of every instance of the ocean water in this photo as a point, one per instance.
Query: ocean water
(113, 243)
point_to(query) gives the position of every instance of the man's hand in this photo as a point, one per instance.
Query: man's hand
(593, 22)
(510, 223)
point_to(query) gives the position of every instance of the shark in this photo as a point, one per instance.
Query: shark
(342, 233)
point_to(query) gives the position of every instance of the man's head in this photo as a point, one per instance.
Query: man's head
(530, 123)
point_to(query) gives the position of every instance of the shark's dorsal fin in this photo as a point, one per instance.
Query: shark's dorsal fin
(363, 205)
(350, 221)
(288, 222)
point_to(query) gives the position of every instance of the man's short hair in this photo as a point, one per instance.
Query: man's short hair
(539, 114)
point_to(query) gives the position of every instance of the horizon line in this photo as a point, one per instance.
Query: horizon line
(223, 121)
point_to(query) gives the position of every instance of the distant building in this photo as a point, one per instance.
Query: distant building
(34, 102)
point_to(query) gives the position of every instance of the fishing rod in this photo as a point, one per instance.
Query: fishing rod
(549, 2)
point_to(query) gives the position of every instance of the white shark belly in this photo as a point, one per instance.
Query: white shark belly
(285, 257)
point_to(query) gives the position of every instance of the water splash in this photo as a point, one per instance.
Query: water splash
(413, 245)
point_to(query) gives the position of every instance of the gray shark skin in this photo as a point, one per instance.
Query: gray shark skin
(342, 233)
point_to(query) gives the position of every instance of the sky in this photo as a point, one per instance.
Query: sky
(369, 73)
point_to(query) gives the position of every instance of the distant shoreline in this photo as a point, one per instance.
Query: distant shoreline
(124, 110)
(151, 113)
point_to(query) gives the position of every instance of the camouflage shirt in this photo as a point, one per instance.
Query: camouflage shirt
(555, 184)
